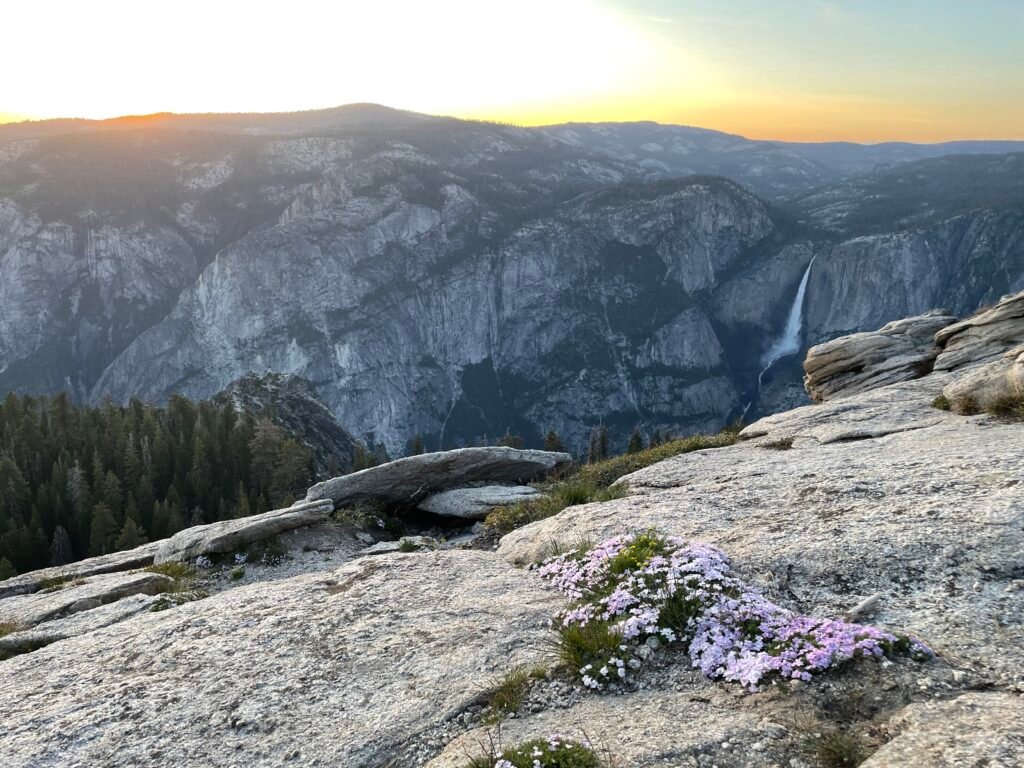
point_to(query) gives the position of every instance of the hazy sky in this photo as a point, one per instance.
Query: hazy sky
(864, 70)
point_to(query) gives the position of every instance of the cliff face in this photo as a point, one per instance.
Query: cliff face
(457, 279)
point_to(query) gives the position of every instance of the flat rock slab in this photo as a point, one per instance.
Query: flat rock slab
(231, 535)
(411, 479)
(931, 517)
(127, 560)
(879, 412)
(639, 730)
(330, 669)
(26, 611)
(76, 624)
(974, 729)
(475, 503)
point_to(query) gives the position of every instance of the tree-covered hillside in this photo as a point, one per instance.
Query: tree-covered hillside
(81, 481)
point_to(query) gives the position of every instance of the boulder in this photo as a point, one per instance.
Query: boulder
(982, 337)
(27, 583)
(900, 351)
(985, 386)
(230, 535)
(339, 668)
(475, 503)
(408, 480)
(72, 597)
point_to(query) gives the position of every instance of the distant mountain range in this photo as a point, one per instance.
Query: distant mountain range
(459, 279)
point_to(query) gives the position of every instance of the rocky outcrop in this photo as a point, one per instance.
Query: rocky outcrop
(993, 386)
(244, 678)
(232, 535)
(27, 583)
(72, 597)
(899, 351)
(408, 480)
(475, 503)
(80, 623)
(985, 335)
(292, 403)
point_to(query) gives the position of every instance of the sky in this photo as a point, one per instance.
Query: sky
(859, 70)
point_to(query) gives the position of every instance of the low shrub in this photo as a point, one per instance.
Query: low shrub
(557, 496)
(942, 403)
(630, 590)
(174, 599)
(237, 573)
(407, 545)
(553, 752)
(1007, 405)
(177, 571)
(55, 583)
(604, 473)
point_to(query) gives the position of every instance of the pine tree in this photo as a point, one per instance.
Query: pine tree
(102, 530)
(552, 442)
(131, 536)
(242, 508)
(598, 449)
(656, 438)
(511, 441)
(417, 446)
(291, 473)
(6, 569)
(636, 441)
(60, 548)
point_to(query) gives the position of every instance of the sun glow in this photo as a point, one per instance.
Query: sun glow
(863, 70)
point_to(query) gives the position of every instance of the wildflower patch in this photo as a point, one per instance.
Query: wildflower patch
(552, 752)
(650, 589)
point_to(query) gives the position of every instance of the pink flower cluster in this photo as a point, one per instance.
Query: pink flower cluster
(643, 586)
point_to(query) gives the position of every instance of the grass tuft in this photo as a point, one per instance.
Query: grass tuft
(578, 645)
(506, 696)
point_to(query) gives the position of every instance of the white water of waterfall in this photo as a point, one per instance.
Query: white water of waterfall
(789, 342)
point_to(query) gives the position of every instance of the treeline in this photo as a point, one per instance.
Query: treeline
(80, 481)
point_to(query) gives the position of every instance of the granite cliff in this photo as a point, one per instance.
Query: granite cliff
(459, 280)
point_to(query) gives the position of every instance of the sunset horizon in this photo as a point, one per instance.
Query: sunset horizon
(820, 71)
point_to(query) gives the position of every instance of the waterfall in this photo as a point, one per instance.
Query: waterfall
(789, 342)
